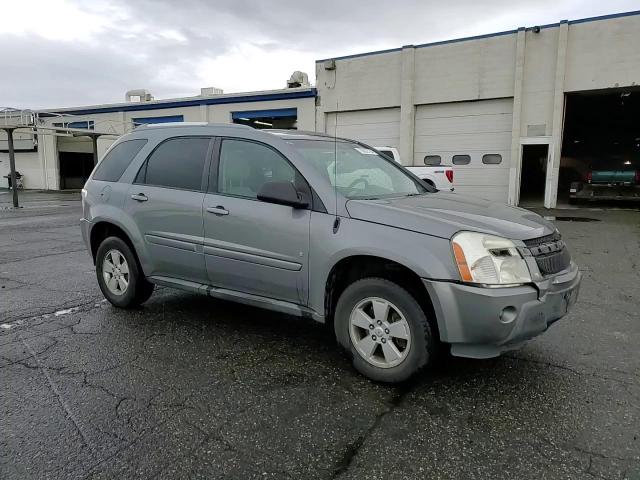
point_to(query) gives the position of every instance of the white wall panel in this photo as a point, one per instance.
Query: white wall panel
(379, 127)
(471, 128)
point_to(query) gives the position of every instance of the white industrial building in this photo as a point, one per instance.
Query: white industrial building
(497, 105)
(65, 160)
(519, 113)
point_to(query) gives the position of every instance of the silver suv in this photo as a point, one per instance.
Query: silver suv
(327, 229)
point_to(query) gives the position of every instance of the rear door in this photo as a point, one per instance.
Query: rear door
(253, 246)
(165, 201)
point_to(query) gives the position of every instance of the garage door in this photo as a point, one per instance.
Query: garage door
(378, 128)
(478, 130)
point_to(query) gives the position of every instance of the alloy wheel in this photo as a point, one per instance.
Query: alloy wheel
(379, 332)
(115, 271)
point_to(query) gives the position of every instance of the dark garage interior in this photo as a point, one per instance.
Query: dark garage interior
(533, 175)
(601, 131)
(75, 168)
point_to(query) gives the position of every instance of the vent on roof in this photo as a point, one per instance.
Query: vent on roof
(298, 79)
(207, 91)
(139, 95)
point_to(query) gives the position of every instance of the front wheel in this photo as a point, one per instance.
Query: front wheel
(384, 329)
(119, 276)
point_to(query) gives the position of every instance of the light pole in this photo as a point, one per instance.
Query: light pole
(12, 166)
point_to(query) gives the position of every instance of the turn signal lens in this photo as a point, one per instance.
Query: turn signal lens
(465, 273)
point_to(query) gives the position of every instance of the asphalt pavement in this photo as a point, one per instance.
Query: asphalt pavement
(191, 387)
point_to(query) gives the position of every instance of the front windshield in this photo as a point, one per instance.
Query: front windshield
(359, 172)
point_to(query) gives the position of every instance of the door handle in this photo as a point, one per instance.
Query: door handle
(218, 210)
(140, 197)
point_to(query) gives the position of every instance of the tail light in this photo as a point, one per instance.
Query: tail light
(449, 174)
(637, 177)
(589, 177)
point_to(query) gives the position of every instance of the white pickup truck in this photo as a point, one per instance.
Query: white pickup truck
(438, 176)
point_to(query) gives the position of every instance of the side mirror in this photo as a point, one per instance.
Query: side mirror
(282, 193)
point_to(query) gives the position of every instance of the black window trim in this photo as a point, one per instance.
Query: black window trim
(315, 203)
(207, 163)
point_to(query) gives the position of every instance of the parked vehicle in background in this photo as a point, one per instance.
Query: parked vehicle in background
(438, 176)
(609, 180)
(326, 229)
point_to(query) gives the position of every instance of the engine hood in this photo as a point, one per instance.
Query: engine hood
(443, 214)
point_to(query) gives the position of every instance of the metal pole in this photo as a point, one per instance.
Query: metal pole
(12, 166)
(94, 140)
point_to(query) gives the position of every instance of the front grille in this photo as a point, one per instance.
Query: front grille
(551, 263)
(550, 252)
(534, 242)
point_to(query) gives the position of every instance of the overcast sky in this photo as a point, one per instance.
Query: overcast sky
(59, 53)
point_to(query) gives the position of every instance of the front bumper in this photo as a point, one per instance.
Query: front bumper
(484, 322)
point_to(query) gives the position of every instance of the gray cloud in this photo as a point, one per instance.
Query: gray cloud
(162, 45)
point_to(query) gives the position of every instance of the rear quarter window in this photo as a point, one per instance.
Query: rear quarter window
(116, 161)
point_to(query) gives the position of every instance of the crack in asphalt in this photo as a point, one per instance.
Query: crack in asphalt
(135, 440)
(44, 316)
(33, 257)
(41, 285)
(54, 388)
(575, 371)
(352, 449)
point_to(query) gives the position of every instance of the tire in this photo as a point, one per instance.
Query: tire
(410, 320)
(138, 289)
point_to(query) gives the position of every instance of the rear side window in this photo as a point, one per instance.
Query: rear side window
(176, 163)
(113, 165)
(432, 160)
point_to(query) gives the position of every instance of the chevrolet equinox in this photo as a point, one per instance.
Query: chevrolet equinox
(324, 228)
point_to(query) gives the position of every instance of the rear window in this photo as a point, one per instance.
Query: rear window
(113, 165)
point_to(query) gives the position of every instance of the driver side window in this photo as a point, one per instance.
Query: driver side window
(245, 166)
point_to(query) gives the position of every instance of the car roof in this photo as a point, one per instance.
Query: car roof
(303, 135)
(181, 125)
(238, 129)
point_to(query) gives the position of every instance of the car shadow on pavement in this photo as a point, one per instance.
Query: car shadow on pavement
(304, 340)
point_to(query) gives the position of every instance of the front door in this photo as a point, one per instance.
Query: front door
(253, 246)
(533, 175)
(165, 201)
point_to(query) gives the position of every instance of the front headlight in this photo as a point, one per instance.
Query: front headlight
(489, 260)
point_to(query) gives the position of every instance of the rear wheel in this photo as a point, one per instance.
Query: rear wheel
(384, 329)
(119, 275)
